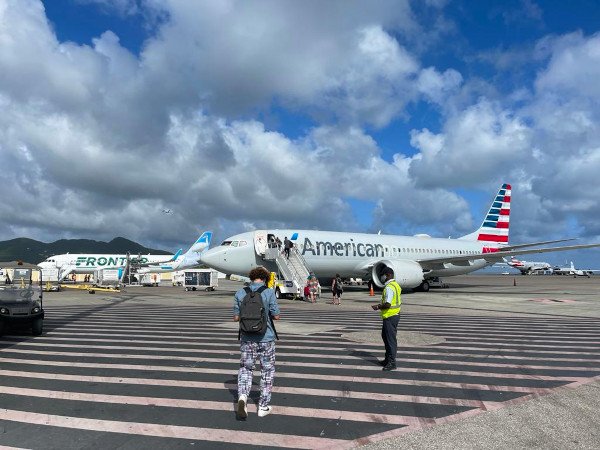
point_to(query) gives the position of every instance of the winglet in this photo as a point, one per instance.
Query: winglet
(176, 255)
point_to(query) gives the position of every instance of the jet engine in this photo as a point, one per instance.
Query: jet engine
(408, 274)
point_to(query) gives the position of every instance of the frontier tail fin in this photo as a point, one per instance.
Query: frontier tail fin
(202, 243)
(494, 228)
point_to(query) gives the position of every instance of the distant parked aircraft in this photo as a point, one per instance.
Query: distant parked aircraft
(571, 270)
(528, 267)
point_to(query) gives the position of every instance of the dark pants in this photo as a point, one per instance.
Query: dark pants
(389, 328)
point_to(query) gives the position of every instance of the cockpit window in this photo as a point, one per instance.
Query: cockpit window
(234, 243)
(225, 243)
(242, 243)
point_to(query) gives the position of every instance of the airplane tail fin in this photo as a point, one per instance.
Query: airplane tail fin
(202, 243)
(494, 229)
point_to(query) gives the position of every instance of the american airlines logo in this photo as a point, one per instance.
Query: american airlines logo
(327, 248)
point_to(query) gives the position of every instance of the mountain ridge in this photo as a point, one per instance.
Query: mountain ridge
(33, 252)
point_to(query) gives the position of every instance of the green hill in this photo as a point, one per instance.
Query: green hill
(34, 252)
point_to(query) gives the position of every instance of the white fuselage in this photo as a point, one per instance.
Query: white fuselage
(89, 263)
(526, 267)
(328, 253)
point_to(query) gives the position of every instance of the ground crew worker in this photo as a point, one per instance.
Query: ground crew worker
(389, 309)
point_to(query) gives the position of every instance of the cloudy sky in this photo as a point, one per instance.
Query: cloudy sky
(401, 116)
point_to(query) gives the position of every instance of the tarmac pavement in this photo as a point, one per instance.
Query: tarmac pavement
(490, 362)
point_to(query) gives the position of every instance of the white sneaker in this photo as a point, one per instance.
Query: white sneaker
(242, 410)
(264, 411)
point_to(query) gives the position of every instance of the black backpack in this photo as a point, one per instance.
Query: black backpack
(253, 318)
(338, 284)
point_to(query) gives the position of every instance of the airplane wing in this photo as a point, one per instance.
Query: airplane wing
(156, 263)
(535, 244)
(494, 257)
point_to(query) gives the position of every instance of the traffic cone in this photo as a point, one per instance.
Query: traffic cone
(371, 292)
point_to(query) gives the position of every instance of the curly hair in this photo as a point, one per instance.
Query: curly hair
(259, 273)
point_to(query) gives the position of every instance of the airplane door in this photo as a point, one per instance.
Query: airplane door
(260, 242)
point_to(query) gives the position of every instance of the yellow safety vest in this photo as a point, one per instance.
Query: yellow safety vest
(395, 302)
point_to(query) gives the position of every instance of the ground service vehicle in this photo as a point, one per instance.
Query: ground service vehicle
(21, 296)
(196, 279)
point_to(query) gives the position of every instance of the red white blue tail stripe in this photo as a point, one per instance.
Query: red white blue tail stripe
(496, 223)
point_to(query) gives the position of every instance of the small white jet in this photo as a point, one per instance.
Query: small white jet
(75, 263)
(528, 267)
(415, 259)
(571, 270)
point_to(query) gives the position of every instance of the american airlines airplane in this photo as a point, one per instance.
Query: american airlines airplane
(414, 259)
(89, 263)
(528, 267)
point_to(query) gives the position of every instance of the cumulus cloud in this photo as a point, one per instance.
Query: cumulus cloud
(96, 141)
(480, 144)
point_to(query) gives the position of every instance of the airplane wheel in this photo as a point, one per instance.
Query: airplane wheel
(424, 286)
(277, 294)
(37, 326)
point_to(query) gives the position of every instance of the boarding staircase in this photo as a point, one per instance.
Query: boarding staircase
(292, 269)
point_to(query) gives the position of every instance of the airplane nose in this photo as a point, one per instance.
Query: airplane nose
(210, 257)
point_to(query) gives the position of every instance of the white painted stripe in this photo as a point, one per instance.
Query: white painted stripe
(149, 358)
(215, 406)
(276, 389)
(403, 352)
(171, 431)
(401, 358)
(292, 375)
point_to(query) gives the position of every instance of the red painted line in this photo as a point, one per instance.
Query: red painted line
(215, 406)
(492, 238)
(292, 375)
(276, 389)
(170, 431)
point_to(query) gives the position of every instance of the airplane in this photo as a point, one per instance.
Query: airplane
(571, 270)
(528, 267)
(415, 259)
(167, 211)
(70, 263)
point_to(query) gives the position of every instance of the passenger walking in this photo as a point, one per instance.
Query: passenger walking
(337, 289)
(257, 335)
(313, 284)
(389, 308)
(287, 246)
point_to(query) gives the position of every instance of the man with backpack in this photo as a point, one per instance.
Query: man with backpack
(255, 307)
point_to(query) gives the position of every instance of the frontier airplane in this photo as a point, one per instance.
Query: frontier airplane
(69, 263)
(414, 259)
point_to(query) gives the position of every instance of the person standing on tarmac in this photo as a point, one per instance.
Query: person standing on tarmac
(389, 309)
(257, 346)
